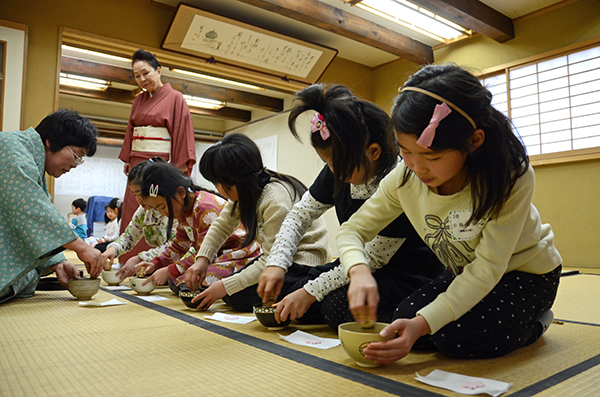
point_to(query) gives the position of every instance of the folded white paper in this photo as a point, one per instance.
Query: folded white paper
(230, 318)
(117, 287)
(153, 298)
(112, 302)
(305, 339)
(464, 384)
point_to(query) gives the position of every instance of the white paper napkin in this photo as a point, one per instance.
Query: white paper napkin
(464, 384)
(117, 287)
(153, 298)
(305, 339)
(230, 318)
(112, 302)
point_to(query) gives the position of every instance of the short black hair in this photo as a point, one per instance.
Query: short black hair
(67, 128)
(79, 203)
(142, 55)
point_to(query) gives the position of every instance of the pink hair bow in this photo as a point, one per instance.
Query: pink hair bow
(318, 124)
(439, 113)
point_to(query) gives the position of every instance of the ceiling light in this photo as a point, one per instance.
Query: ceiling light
(414, 17)
(74, 80)
(199, 102)
(218, 79)
(95, 53)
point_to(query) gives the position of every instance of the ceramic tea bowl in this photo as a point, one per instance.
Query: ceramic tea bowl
(136, 284)
(186, 295)
(355, 339)
(110, 277)
(266, 316)
(84, 288)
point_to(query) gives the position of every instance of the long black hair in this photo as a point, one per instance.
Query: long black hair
(136, 173)
(354, 124)
(495, 166)
(236, 161)
(166, 180)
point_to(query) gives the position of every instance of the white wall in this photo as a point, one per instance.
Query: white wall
(63, 201)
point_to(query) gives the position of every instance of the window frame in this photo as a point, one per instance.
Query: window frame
(557, 157)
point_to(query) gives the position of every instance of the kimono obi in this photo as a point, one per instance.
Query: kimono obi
(151, 139)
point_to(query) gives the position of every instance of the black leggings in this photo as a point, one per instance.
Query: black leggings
(244, 300)
(504, 321)
(395, 281)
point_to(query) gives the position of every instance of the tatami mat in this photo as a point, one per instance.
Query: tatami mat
(578, 298)
(129, 350)
(51, 346)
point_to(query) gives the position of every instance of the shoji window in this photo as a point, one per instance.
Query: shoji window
(554, 103)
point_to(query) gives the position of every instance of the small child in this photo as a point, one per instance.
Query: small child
(113, 220)
(79, 222)
(260, 199)
(146, 224)
(174, 196)
(466, 185)
(352, 138)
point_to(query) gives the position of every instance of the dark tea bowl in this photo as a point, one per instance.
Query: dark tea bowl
(186, 296)
(266, 316)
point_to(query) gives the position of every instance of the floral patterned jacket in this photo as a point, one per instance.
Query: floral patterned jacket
(150, 225)
(192, 228)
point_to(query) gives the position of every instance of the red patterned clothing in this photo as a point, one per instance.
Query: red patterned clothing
(192, 228)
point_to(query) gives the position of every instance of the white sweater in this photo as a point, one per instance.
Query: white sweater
(478, 255)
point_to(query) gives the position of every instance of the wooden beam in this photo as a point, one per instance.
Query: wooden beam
(474, 15)
(124, 96)
(125, 76)
(335, 20)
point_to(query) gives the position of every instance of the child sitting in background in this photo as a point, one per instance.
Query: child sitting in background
(113, 220)
(79, 222)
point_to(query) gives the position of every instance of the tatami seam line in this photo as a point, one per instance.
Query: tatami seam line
(352, 374)
(557, 378)
(365, 378)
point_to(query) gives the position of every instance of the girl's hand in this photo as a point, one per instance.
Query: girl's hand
(149, 267)
(363, 296)
(128, 268)
(389, 351)
(293, 305)
(159, 277)
(195, 274)
(210, 295)
(126, 168)
(270, 283)
(109, 255)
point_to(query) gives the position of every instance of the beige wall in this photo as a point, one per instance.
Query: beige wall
(134, 21)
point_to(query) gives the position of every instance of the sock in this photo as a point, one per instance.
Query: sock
(546, 319)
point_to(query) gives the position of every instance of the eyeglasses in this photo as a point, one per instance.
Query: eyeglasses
(78, 160)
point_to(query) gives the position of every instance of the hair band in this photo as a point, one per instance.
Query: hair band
(439, 98)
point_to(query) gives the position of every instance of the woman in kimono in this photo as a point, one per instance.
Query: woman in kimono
(160, 124)
(32, 231)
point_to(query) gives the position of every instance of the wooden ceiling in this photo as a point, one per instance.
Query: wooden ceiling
(471, 14)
